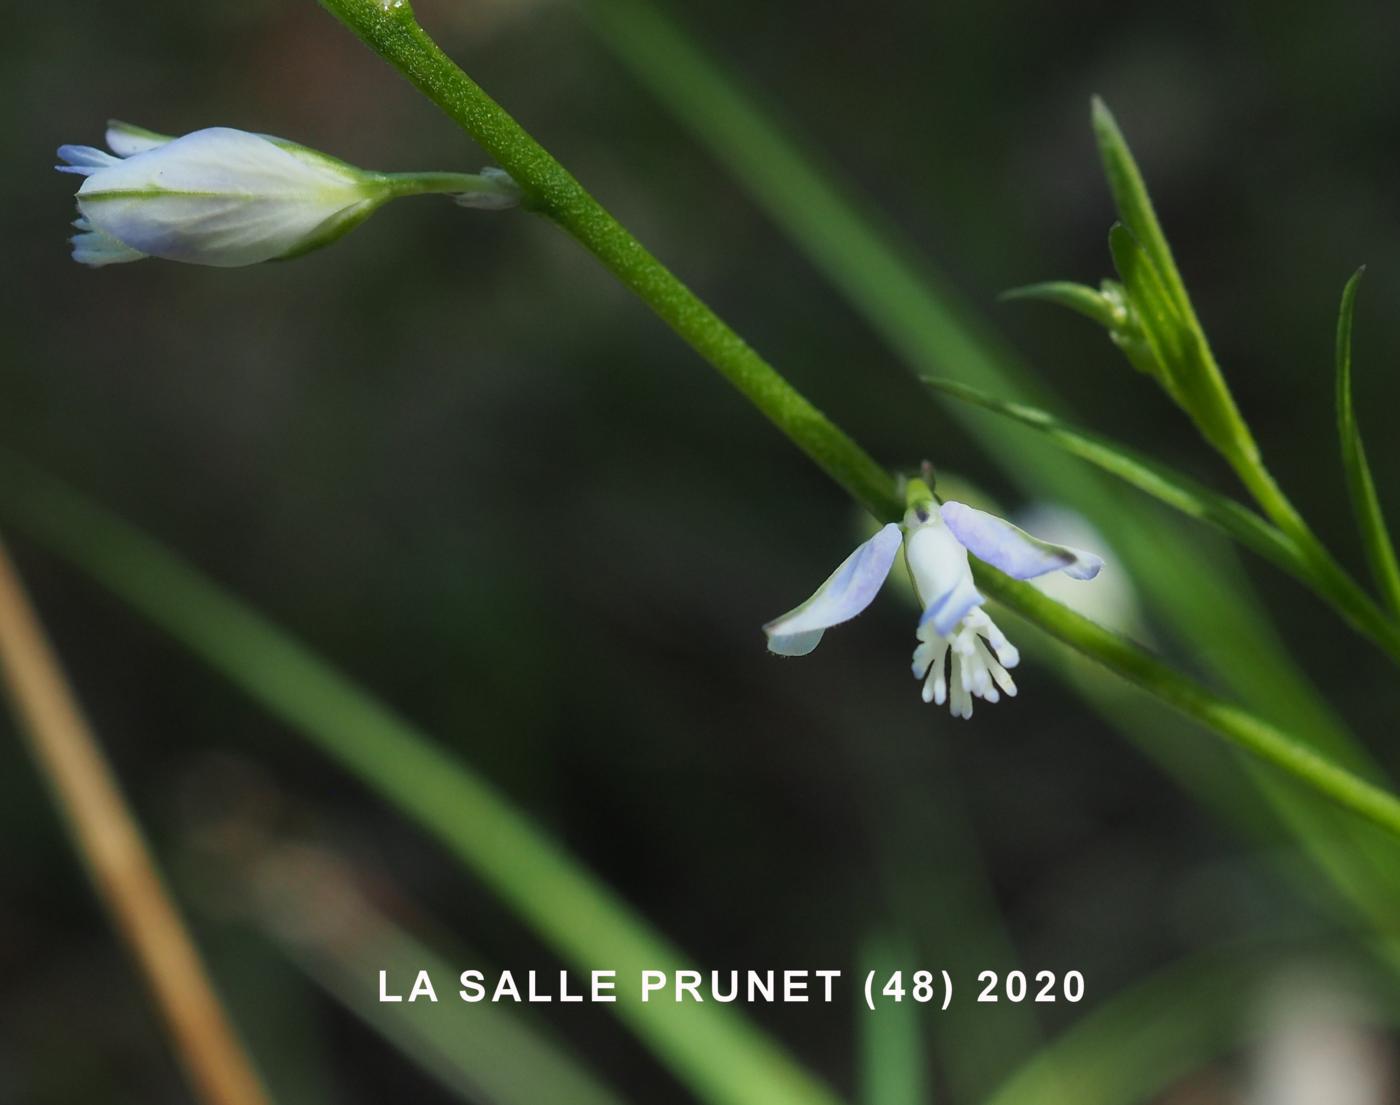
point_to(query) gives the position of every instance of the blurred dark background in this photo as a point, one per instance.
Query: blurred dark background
(451, 455)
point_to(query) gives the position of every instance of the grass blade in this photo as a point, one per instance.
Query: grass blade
(1375, 536)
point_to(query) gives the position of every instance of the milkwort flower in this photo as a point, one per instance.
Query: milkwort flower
(961, 653)
(228, 197)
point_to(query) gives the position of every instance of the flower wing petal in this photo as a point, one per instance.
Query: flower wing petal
(946, 610)
(94, 248)
(84, 160)
(846, 592)
(125, 140)
(1012, 549)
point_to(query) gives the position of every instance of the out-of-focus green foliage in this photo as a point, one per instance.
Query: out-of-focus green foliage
(396, 448)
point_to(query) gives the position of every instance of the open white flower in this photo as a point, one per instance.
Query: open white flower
(227, 197)
(961, 653)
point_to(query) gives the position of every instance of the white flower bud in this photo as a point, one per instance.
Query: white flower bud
(227, 197)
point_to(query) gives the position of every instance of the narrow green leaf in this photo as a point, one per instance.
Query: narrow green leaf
(1135, 206)
(1173, 348)
(1152, 307)
(1169, 321)
(1080, 298)
(1158, 480)
(1375, 536)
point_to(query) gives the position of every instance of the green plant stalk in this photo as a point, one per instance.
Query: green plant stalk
(1184, 494)
(444, 184)
(391, 30)
(1138, 666)
(550, 189)
(1333, 582)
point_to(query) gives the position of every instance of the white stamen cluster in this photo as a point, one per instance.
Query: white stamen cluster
(970, 664)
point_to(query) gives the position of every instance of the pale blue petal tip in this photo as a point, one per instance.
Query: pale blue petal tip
(795, 644)
(1013, 550)
(951, 607)
(1086, 565)
(84, 160)
(95, 249)
(846, 592)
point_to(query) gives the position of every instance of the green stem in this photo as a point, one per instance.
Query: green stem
(551, 190)
(393, 33)
(1139, 667)
(427, 184)
(1332, 581)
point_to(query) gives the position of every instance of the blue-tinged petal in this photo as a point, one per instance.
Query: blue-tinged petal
(795, 644)
(847, 591)
(93, 248)
(947, 609)
(84, 160)
(1012, 549)
(942, 578)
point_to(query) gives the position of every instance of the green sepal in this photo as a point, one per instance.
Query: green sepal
(139, 132)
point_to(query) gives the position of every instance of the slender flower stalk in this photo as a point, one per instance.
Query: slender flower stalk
(392, 31)
(105, 833)
(551, 190)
